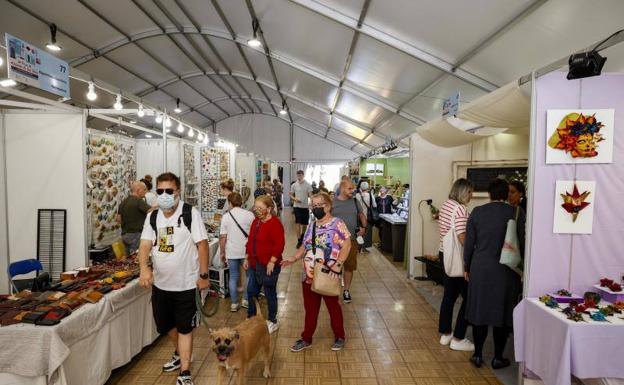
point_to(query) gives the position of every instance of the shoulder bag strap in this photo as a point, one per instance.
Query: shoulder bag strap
(314, 239)
(237, 224)
(517, 213)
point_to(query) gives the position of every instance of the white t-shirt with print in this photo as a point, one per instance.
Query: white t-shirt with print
(236, 240)
(301, 191)
(175, 258)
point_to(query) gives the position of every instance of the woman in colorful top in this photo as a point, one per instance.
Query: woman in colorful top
(265, 246)
(333, 241)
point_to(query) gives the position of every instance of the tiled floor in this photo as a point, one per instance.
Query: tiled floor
(391, 331)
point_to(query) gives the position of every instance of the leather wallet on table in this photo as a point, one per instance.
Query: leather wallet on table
(33, 316)
(8, 318)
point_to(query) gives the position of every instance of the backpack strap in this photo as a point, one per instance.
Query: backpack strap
(153, 216)
(187, 216)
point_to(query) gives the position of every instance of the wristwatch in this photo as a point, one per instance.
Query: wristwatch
(204, 275)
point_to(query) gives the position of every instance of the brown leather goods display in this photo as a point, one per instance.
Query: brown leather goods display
(33, 316)
(92, 296)
(8, 318)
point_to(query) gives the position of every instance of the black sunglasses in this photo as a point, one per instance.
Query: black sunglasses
(169, 191)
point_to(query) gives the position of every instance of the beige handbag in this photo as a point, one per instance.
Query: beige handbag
(322, 282)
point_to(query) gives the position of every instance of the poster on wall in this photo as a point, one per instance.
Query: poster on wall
(579, 136)
(574, 207)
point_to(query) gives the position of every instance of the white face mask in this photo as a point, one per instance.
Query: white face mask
(167, 201)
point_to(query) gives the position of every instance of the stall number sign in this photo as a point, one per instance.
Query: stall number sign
(34, 67)
(450, 107)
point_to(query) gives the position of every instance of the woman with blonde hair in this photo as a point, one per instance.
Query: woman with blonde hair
(264, 249)
(454, 215)
(331, 239)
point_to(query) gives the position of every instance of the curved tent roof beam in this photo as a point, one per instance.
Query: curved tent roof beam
(326, 78)
(294, 124)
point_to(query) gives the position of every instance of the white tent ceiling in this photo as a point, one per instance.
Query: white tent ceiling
(355, 72)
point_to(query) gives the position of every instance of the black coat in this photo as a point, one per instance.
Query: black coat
(493, 289)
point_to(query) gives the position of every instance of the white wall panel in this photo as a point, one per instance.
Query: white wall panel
(310, 147)
(45, 169)
(150, 157)
(4, 242)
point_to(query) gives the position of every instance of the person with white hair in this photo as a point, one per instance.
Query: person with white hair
(367, 202)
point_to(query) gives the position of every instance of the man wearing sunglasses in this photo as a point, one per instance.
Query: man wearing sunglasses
(177, 239)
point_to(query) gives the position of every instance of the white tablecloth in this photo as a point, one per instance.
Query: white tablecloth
(554, 347)
(85, 347)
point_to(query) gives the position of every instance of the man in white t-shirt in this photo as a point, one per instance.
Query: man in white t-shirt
(176, 236)
(233, 233)
(300, 192)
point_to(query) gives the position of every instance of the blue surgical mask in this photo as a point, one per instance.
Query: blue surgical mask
(166, 201)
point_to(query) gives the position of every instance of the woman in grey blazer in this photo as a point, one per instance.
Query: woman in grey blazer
(493, 288)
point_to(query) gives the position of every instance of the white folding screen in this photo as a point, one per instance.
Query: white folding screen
(150, 157)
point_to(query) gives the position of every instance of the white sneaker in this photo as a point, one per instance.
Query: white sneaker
(273, 326)
(234, 307)
(245, 304)
(445, 339)
(464, 345)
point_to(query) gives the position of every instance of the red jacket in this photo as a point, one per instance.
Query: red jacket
(269, 239)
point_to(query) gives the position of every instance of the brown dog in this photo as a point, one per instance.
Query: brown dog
(236, 347)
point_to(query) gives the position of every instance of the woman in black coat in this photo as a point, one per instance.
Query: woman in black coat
(493, 288)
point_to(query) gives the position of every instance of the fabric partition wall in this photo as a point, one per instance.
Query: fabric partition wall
(577, 262)
(150, 157)
(45, 169)
(263, 135)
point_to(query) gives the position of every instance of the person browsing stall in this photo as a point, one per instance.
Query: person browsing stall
(300, 192)
(131, 214)
(346, 208)
(233, 233)
(265, 246)
(177, 239)
(368, 203)
(331, 238)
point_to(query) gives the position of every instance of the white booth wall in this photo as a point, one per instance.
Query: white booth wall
(150, 157)
(45, 168)
(434, 171)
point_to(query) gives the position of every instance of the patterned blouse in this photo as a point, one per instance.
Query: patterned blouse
(330, 238)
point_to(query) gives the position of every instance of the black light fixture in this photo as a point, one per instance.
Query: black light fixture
(52, 45)
(255, 42)
(177, 110)
(586, 64)
(283, 111)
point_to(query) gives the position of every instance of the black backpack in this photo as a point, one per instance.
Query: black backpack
(187, 217)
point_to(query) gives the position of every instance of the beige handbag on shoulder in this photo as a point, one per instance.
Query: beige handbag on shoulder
(324, 281)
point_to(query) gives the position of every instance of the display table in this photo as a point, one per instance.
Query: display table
(393, 236)
(85, 347)
(554, 347)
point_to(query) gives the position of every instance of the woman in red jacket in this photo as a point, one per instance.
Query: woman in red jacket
(264, 255)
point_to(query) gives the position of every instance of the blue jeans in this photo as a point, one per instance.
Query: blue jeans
(257, 279)
(235, 273)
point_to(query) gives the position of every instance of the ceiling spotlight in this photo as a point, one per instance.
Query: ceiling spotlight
(167, 130)
(148, 136)
(52, 45)
(283, 111)
(255, 42)
(180, 127)
(177, 110)
(191, 133)
(133, 122)
(91, 95)
(206, 140)
(118, 106)
(159, 118)
(168, 122)
(8, 83)
(586, 64)
(141, 111)
(200, 137)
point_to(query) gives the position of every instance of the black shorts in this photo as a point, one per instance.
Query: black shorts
(174, 309)
(302, 215)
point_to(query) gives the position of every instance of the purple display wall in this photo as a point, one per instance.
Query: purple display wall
(577, 262)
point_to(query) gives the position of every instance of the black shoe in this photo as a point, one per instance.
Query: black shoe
(346, 296)
(476, 361)
(499, 363)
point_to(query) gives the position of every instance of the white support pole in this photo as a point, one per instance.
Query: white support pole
(164, 136)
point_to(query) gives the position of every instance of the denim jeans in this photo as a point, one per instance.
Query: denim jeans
(235, 266)
(257, 278)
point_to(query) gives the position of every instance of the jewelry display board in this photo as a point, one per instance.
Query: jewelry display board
(190, 180)
(111, 168)
(215, 167)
